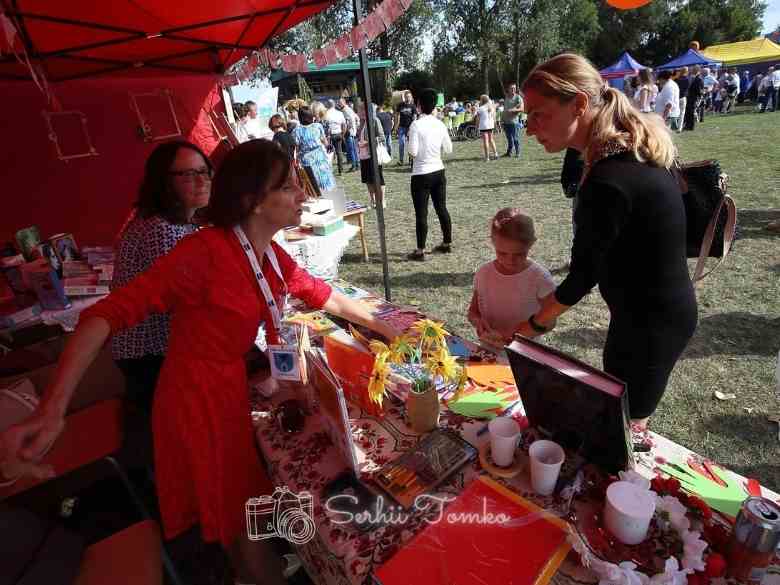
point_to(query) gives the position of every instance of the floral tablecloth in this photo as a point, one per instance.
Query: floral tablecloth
(342, 555)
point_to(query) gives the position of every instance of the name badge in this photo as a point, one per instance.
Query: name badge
(285, 362)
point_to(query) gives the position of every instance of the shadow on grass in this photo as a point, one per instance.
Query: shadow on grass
(735, 334)
(760, 432)
(584, 337)
(420, 280)
(540, 179)
(753, 222)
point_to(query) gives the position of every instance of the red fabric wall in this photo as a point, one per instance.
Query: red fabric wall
(89, 197)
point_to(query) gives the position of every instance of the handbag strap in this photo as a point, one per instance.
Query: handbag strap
(728, 238)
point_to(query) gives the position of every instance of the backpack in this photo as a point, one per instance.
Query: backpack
(711, 215)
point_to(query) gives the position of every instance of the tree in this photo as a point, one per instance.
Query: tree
(415, 81)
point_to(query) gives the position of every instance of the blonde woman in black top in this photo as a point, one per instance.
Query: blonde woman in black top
(630, 237)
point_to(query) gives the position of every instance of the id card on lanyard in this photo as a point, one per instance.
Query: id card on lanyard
(280, 354)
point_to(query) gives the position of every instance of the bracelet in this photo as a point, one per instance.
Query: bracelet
(536, 326)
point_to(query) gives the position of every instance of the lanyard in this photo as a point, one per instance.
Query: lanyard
(261, 280)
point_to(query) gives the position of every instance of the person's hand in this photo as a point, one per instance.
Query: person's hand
(23, 445)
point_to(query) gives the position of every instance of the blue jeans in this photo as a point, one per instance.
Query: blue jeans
(389, 142)
(403, 134)
(352, 153)
(512, 132)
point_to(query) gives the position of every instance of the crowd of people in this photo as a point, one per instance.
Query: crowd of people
(683, 96)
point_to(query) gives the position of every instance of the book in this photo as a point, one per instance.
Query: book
(352, 363)
(86, 290)
(489, 534)
(47, 285)
(333, 408)
(577, 405)
(437, 456)
(16, 318)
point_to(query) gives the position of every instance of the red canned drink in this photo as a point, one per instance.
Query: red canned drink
(754, 540)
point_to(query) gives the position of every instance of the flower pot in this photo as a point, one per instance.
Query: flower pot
(422, 409)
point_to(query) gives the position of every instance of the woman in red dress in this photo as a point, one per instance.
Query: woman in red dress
(206, 464)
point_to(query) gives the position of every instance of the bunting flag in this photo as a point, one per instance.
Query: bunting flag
(384, 12)
(342, 46)
(330, 55)
(358, 37)
(318, 57)
(380, 19)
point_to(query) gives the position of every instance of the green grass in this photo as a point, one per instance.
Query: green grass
(736, 344)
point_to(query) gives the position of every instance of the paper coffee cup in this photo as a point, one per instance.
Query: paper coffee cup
(546, 460)
(504, 437)
(628, 511)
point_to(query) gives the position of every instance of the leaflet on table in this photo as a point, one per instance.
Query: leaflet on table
(352, 363)
(489, 534)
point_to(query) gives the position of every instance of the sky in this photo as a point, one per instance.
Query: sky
(771, 16)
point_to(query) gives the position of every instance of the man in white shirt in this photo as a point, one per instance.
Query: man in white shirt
(353, 121)
(254, 125)
(667, 104)
(775, 90)
(427, 138)
(337, 129)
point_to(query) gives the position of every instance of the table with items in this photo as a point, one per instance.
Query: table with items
(342, 551)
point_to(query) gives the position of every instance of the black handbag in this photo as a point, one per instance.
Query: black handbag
(711, 215)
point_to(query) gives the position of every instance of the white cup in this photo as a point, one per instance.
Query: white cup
(546, 460)
(628, 511)
(504, 437)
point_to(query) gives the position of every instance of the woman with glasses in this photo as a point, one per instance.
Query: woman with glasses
(176, 184)
(220, 285)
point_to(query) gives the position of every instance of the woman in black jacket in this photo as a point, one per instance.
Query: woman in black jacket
(630, 237)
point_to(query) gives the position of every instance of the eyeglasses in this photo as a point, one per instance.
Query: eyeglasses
(190, 174)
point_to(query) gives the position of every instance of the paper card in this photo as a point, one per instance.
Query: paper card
(358, 37)
(273, 59)
(318, 57)
(303, 63)
(285, 362)
(263, 57)
(385, 13)
(330, 55)
(405, 4)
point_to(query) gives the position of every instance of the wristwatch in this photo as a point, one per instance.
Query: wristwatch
(536, 326)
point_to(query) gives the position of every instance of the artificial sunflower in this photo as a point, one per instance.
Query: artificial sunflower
(441, 363)
(430, 333)
(402, 349)
(376, 386)
(463, 378)
(378, 347)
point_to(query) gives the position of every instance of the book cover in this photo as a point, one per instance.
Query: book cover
(47, 286)
(352, 363)
(489, 534)
(579, 406)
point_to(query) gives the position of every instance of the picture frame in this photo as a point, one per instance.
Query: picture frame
(65, 247)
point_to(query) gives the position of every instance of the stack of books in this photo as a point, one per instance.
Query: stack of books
(91, 276)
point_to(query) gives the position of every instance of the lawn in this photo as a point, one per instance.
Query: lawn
(737, 341)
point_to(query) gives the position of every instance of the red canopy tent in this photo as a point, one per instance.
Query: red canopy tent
(94, 56)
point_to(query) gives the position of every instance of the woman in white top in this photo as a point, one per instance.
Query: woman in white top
(646, 92)
(486, 122)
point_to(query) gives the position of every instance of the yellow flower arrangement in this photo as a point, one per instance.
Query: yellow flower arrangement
(425, 345)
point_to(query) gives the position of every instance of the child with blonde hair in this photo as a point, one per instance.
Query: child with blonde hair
(508, 290)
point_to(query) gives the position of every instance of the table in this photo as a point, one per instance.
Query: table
(320, 255)
(357, 217)
(341, 555)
